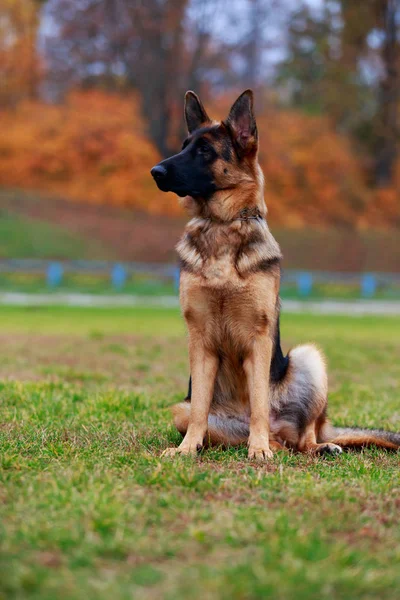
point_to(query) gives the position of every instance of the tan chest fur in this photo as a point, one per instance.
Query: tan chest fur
(228, 311)
(218, 270)
(223, 295)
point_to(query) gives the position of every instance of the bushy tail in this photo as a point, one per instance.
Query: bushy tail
(224, 430)
(354, 437)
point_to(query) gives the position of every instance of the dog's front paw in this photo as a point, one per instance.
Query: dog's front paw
(260, 453)
(170, 452)
(183, 449)
(259, 448)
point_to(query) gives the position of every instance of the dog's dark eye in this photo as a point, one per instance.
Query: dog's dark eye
(203, 148)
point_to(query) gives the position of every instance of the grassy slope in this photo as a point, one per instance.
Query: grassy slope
(111, 232)
(88, 509)
(20, 237)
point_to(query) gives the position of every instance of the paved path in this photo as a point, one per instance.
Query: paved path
(86, 300)
(337, 307)
(356, 307)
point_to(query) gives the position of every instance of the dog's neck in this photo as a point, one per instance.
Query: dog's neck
(230, 227)
(245, 247)
(243, 202)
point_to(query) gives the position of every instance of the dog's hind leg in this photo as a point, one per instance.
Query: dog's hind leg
(308, 443)
(221, 429)
(302, 399)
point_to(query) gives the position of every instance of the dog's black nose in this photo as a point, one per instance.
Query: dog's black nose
(158, 172)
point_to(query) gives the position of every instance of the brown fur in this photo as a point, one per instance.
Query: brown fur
(229, 294)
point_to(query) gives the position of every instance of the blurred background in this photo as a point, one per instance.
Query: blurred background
(91, 97)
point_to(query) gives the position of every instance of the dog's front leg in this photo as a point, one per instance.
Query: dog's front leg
(203, 367)
(257, 367)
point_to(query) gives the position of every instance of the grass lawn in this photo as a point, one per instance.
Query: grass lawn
(89, 510)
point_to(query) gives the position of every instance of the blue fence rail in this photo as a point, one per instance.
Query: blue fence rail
(119, 273)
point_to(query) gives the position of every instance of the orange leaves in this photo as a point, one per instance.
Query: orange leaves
(94, 148)
(312, 176)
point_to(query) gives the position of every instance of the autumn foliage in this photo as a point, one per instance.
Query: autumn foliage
(94, 148)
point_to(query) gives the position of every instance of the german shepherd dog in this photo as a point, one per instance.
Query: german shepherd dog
(242, 388)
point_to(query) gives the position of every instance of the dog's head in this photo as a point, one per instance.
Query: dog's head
(216, 155)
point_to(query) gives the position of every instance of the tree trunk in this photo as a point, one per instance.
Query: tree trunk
(387, 126)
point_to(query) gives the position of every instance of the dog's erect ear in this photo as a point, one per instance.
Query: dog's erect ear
(243, 123)
(195, 113)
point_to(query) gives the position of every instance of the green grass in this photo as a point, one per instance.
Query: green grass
(88, 509)
(35, 283)
(22, 237)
